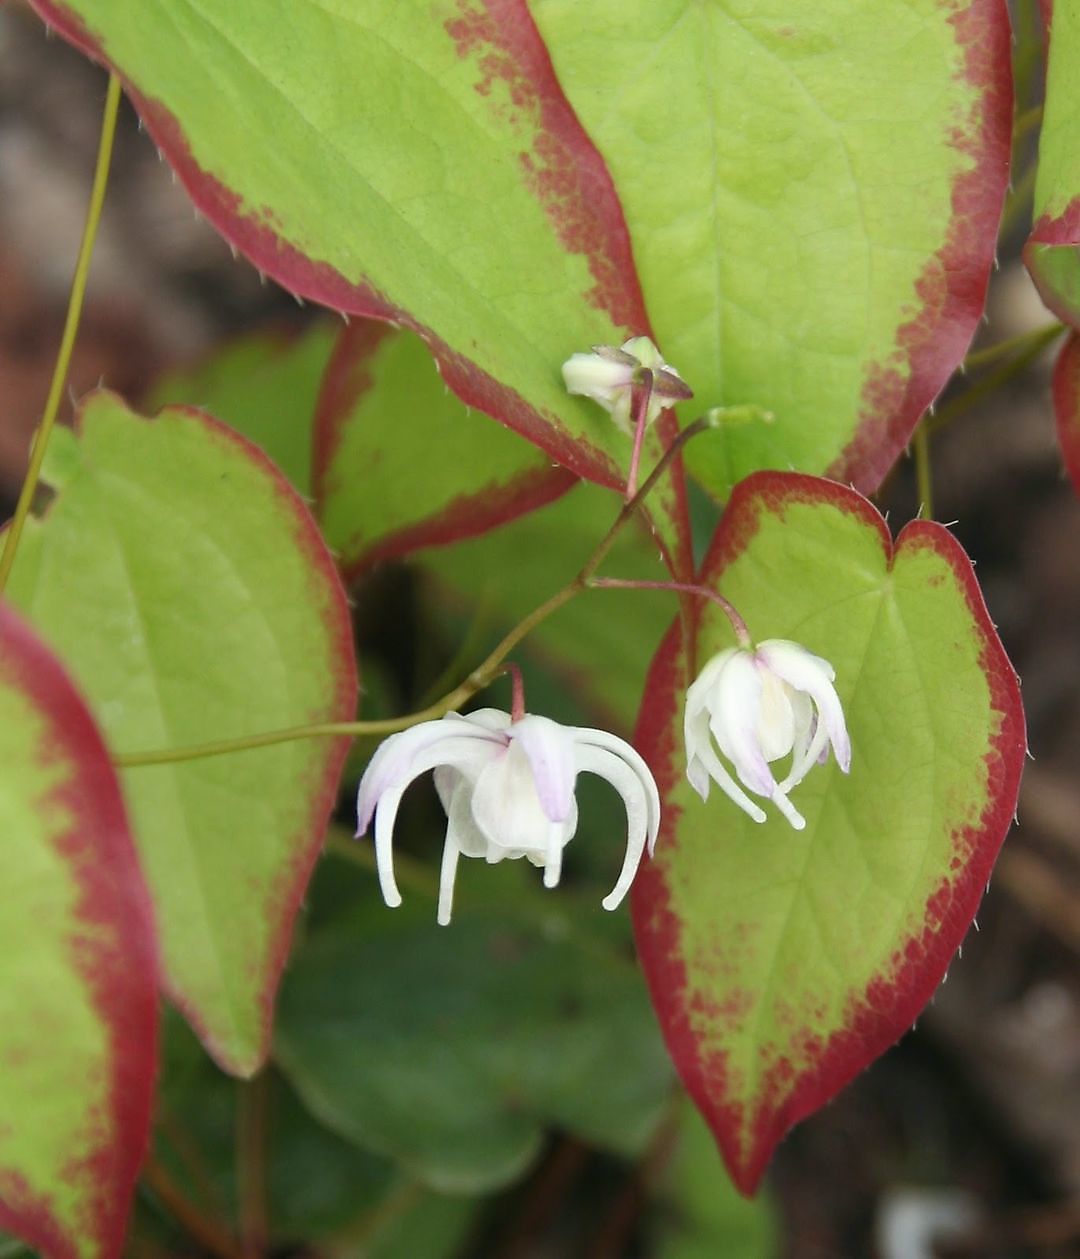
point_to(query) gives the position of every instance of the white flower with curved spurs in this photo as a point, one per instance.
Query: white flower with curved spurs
(508, 791)
(761, 704)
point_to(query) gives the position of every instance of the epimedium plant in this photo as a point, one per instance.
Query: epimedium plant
(526, 214)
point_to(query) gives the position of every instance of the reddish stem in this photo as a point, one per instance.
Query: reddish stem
(642, 397)
(742, 634)
(517, 691)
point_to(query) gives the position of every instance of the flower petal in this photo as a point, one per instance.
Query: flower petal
(806, 672)
(733, 719)
(464, 753)
(461, 827)
(584, 737)
(550, 751)
(597, 376)
(790, 812)
(446, 880)
(493, 719)
(506, 806)
(629, 784)
(394, 757)
(718, 771)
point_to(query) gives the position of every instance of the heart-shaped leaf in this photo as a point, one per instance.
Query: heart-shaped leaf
(813, 193)
(189, 589)
(78, 979)
(781, 962)
(421, 166)
(401, 464)
(1052, 252)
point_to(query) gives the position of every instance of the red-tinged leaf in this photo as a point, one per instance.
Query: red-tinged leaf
(1052, 252)
(188, 587)
(813, 193)
(1066, 396)
(78, 979)
(400, 464)
(422, 167)
(782, 962)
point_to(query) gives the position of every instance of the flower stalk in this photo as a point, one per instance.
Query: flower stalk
(71, 328)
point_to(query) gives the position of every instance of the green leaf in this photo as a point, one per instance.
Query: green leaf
(813, 193)
(1051, 250)
(189, 590)
(78, 1004)
(707, 1218)
(603, 640)
(264, 385)
(318, 1186)
(782, 962)
(453, 1049)
(441, 472)
(420, 166)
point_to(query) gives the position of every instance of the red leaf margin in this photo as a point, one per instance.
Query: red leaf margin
(346, 379)
(288, 898)
(891, 1002)
(1065, 393)
(568, 175)
(951, 289)
(114, 950)
(1055, 232)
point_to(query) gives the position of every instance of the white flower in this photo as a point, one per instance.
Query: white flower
(609, 375)
(508, 791)
(760, 704)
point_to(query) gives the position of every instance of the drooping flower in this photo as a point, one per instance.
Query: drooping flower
(508, 791)
(609, 376)
(760, 704)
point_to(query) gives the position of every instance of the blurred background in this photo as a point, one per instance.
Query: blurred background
(964, 1140)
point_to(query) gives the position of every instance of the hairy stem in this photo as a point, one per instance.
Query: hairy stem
(71, 328)
(923, 477)
(1036, 342)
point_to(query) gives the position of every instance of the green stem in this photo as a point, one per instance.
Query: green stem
(482, 676)
(923, 478)
(1026, 123)
(209, 1233)
(992, 381)
(71, 328)
(1018, 201)
(1039, 337)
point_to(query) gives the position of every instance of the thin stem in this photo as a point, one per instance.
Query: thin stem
(1016, 203)
(251, 1165)
(992, 381)
(923, 477)
(355, 1237)
(642, 398)
(480, 677)
(979, 359)
(517, 692)
(205, 1231)
(742, 634)
(71, 327)
(1026, 122)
